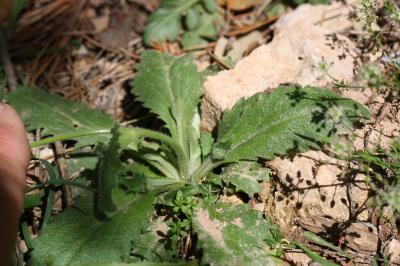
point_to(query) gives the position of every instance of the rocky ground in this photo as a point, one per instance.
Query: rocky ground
(314, 191)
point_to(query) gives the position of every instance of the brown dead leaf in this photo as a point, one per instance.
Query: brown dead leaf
(238, 5)
(243, 44)
(220, 46)
(248, 28)
(221, 2)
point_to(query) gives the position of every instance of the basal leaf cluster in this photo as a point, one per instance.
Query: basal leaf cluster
(178, 171)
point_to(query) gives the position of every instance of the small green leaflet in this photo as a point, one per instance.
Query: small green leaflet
(233, 235)
(289, 118)
(77, 237)
(171, 88)
(210, 5)
(56, 115)
(165, 22)
(209, 25)
(192, 19)
(201, 20)
(245, 176)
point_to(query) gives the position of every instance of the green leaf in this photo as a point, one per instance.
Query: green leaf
(206, 141)
(208, 28)
(110, 169)
(233, 235)
(192, 19)
(152, 245)
(136, 183)
(171, 88)
(33, 199)
(53, 175)
(77, 237)
(81, 160)
(162, 165)
(138, 168)
(56, 115)
(165, 22)
(315, 257)
(210, 5)
(289, 118)
(245, 176)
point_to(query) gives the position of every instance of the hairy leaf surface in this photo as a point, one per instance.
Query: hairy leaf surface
(206, 142)
(290, 118)
(79, 160)
(233, 235)
(171, 88)
(245, 176)
(110, 169)
(56, 115)
(152, 247)
(77, 237)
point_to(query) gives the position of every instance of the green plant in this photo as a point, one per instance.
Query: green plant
(374, 16)
(184, 204)
(382, 168)
(183, 207)
(199, 18)
(139, 167)
(393, 11)
(368, 16)
(380, 79)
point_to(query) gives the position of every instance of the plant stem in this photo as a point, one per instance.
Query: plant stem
(58, 182)
(169, 187)
(68, 136)
(26, 234)
(204, 169)
(136, 133)
(180, 154)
